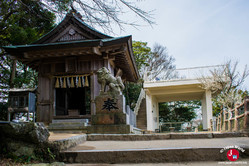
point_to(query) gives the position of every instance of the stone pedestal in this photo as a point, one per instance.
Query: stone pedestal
(110, 116)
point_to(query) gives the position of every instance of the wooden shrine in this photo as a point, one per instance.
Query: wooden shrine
(67, 59)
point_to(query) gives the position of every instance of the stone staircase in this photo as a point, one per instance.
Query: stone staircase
(68, 126)
(155, 148)
(141, 116)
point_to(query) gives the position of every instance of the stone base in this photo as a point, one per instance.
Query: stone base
(110, 129)
(112, 118)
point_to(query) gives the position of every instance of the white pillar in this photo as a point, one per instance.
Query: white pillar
(155, 113)
(207, 112)
(149, 111)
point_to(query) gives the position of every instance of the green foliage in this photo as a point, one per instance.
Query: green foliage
(51, 155)
(141, 53)
(4, 111)
(200, 127)
(179, 111)
(131, 92)
(21, 22)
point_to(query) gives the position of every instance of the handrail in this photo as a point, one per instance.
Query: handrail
(183, 73)
(139, 101)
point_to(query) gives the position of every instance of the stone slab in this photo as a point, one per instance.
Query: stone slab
(230, 134)
(64, 144)
(145, 137)
(126, 137)
(109, 129)
(190, 135)
(70, 121)
(146, 155)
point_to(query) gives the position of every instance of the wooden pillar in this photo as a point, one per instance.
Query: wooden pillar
(246, 114)
(9, 116)
(236, 122)
(229, 121)
(51, 95)
(224, 121)
(220, 120)
(211, 124)
(217, 123)
(94, 92)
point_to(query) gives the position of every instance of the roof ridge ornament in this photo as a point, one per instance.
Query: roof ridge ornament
(75, 13)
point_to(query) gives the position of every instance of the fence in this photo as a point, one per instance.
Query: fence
(236, 119)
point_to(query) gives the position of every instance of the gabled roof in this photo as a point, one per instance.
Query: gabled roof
(73, 37)
(71, 28)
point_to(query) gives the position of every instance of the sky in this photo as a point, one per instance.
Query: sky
(196, 32)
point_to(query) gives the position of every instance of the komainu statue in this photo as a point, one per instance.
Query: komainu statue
(106, 78)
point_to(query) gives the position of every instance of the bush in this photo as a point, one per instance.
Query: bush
(3, 111)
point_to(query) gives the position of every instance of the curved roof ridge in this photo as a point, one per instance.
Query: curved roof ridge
(47, 37)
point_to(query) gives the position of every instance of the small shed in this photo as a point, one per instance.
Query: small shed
(22, 102)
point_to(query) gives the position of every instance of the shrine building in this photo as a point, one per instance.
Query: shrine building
(67, 59)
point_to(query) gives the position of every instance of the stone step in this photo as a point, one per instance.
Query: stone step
(69, 131)
(148, 137)
(66, 127)
(64, 144)
(152, 155)
(70, 121)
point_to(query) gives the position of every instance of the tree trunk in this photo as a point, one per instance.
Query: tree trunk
(13, 73)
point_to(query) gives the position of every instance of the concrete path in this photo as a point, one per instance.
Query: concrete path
(175, 143)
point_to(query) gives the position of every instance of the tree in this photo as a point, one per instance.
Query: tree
(153, 63)
(100, 13)
(131, 92)
(141, 54)
(225, 84)
(178, 111)
(160, 64)
(21, 22)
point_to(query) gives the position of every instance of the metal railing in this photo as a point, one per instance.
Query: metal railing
(139, 101)
(183, 73)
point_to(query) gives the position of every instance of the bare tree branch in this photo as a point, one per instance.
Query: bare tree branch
(101, 13)
(225, 83)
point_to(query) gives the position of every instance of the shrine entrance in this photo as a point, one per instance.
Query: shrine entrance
(72, 101)
(72, 96)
